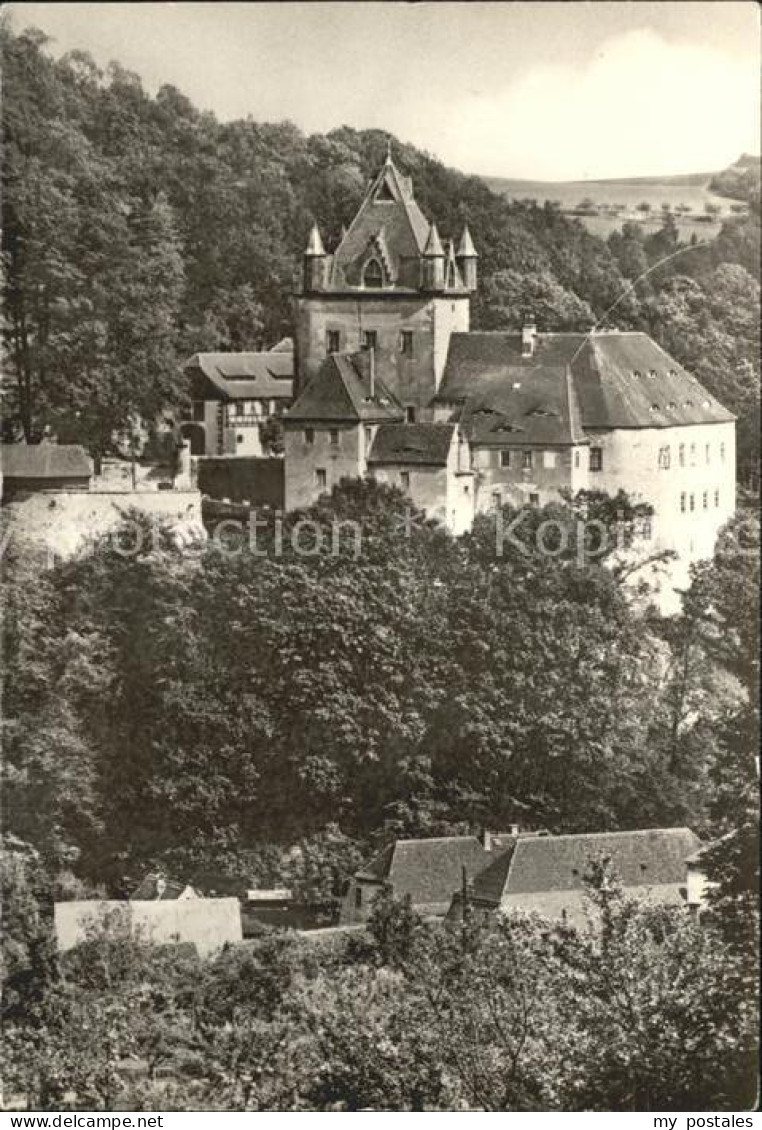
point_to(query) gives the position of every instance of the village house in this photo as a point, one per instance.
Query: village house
(545, 874)
(427, 871)
(234, 396)
(538, 414)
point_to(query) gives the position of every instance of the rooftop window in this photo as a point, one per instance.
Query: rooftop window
(373, 275)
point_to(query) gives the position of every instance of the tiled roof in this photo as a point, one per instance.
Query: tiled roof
(44, 461)
(341, 390)
(534, 864)
(243, 376)
(426, 444)
(622, 380)
(524, 408)
(427, 870)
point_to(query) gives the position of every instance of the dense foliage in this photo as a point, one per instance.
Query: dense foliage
(356, 671)
(643, 1009)
(138, 230)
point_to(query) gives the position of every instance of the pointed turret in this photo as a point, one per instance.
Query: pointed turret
(314, 261)
(433, 261)
(314, 243)
(433, 243)
(466, 257)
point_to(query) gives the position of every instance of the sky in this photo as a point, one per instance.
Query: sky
(535, 90)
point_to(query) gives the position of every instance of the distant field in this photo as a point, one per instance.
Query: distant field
(688, 192)
(691, 191)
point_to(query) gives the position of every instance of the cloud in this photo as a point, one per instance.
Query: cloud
(642, 106)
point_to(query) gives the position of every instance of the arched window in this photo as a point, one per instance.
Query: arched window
(373, 275)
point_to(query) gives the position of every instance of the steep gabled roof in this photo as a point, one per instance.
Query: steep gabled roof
(421, 444)
(541, 864)
(341, 390)
(389, 209)
(44, 461)
(244, 376)
(427, 870)
(621, 380)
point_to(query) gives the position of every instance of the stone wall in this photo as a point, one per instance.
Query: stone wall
(345, 459)
(241, 479)
(413, 380)
(66, 523)
(702, 461)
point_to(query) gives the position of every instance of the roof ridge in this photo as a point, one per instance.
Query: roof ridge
(435, 839)
(600, 835)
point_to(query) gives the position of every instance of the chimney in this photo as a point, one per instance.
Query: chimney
(528, 337)
(515, 829)
(161, 886)
(486, 839)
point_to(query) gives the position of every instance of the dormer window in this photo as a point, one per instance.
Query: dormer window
(373, 275)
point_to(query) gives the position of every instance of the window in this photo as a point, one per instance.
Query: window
(409, 415)
(309, 435)
(406, 343)
(576, 459)
(596, 458)
(693, 455)
(358, 898)
(333, 341)
(198, 410)
(239, 438)
(369, 339)
(497, 501)
(526, 460)
(534, 500)
(681, 454)
(405, 480)
(505, 458)
(716, 498)
(239, 409)
(683, 501)
(334, 434)
(722, 452)
(548, 459)
(321, 479)
(707, 454)
(692, 503)
(665, 457)
(705, 500)
(368, 437)
(373, 276)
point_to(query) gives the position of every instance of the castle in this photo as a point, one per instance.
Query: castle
(390, 382)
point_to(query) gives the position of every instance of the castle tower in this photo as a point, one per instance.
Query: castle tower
(466, 258)
(388, 286)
